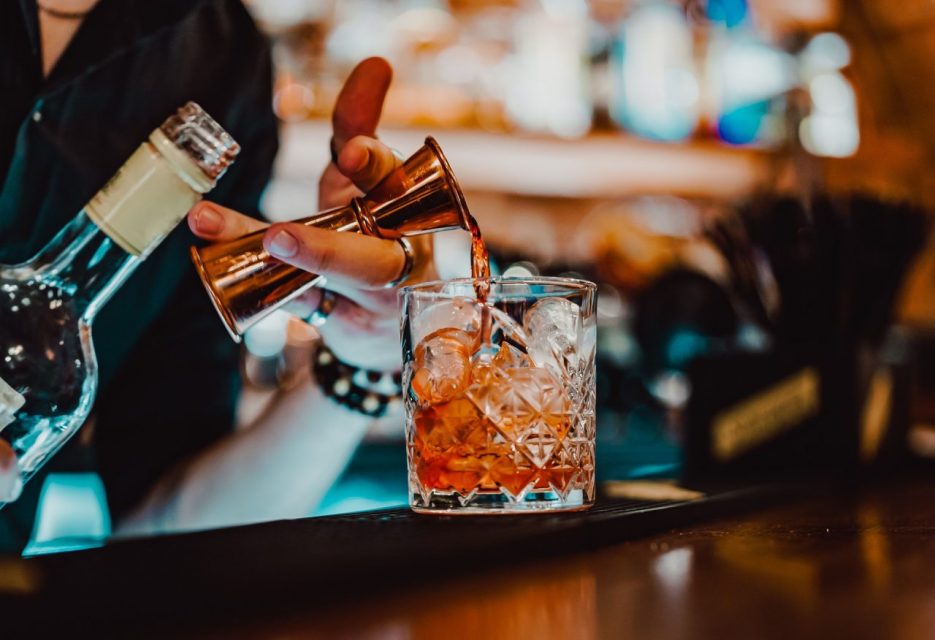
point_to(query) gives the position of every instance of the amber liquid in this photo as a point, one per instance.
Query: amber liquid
(480, 261)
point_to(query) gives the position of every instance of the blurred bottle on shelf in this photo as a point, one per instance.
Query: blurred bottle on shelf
(298, 29)
(831, 129)
(656, 87)
(549, 88)
(746, 80)
(659, 69)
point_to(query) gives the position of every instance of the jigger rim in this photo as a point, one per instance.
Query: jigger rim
(459, 200)
(229, 322)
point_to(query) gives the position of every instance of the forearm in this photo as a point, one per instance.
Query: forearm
(279, 468)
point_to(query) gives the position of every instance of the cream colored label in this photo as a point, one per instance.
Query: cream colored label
(765, 415)
(11, 401)
(143, 202)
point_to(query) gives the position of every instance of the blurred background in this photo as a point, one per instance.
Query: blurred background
(666, 149)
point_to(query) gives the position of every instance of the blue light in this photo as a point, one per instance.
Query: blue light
(730, 13)
(741, 125)
(684, 345)
(72, 514)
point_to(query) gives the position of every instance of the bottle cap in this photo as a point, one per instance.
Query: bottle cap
(202, 138)
(163, 179)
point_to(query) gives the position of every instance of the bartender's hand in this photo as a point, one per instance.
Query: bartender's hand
(363, 327)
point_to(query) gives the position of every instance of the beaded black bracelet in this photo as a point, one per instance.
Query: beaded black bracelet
(362, 390)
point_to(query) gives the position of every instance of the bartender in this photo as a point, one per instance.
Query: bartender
(83, 82)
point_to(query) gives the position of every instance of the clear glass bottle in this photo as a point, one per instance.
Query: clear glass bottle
(48, 371)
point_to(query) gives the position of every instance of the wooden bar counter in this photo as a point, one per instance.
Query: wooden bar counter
(828, 566)
(823, 564)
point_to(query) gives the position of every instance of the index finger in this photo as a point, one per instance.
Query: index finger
(351, 258)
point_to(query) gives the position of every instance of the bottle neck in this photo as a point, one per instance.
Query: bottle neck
(85, 263)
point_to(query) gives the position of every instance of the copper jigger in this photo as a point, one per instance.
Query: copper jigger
(246, 284)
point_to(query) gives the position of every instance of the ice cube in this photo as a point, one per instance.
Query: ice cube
(512, 330)
(457, 313)
(553, 329)
(496, 361)
(442, 366)
(482, 370)
(509, 357)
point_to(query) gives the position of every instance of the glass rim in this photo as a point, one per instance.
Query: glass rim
(571, 286)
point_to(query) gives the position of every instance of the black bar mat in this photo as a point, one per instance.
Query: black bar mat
(175, 579)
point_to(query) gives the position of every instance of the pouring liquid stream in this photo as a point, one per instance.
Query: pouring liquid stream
(480, 274)
(480, 261)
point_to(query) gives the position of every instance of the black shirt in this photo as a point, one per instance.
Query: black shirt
(168, 371)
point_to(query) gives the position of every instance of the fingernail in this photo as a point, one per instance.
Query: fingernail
(209, 221)
(283, 244)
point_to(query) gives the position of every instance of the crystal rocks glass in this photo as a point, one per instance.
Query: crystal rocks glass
(500, 395)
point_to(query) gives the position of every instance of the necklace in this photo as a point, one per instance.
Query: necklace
(65, 15)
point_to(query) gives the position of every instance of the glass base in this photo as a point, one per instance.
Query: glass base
(496, 503)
